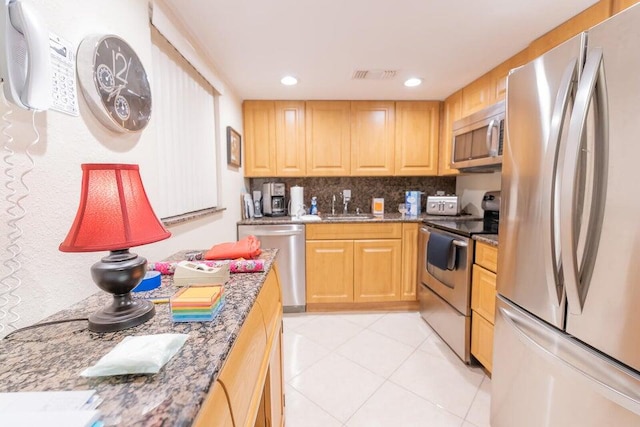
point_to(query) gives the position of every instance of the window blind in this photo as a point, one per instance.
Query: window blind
(184, 119)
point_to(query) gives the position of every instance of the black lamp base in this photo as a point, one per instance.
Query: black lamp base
(118, 273)
(121, 314)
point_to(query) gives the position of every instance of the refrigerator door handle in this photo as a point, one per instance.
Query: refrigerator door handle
(550, 183)
(611, 380)
(591, 87)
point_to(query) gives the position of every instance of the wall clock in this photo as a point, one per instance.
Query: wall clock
(114, 83)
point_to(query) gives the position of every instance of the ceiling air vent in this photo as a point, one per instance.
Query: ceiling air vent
(373, 74)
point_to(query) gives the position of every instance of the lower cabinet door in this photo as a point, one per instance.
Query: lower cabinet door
(482, 340)
(215, 410)
(274, 386)
(377, 273)
(241, 372)
(329, 271)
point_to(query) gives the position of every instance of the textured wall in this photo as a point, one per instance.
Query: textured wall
(392, 189)
(52, 280)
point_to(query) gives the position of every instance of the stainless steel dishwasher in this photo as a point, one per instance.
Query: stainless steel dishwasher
(290, 240)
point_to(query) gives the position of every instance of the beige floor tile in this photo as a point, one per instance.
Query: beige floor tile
(330, 331)
(301, 412)
(480, 408)
(393, 406)
(408, 328)
(445, 381)
(299, 353)
(338, 385)
(376, 352)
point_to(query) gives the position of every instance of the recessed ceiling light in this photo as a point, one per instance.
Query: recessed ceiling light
(289, 81)
(413, 81)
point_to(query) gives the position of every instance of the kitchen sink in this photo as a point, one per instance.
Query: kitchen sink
(347, 217)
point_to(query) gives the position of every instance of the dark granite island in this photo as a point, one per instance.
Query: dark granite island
(50, 358)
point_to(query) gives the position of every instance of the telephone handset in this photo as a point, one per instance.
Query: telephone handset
(25, 64)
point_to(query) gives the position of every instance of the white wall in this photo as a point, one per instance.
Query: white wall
(52, 280)
(472, 187)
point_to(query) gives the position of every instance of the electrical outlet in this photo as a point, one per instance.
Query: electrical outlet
(346, 195)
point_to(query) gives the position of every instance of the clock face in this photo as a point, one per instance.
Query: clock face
(114, 83)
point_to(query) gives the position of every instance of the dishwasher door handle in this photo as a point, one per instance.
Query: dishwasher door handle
(278, 233)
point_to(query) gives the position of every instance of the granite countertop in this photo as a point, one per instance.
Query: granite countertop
(491, 239)
(52, 357)
(387, 217)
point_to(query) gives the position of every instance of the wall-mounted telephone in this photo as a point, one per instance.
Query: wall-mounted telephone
(25, 64)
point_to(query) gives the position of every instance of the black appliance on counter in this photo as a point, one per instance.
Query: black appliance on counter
(445, 272)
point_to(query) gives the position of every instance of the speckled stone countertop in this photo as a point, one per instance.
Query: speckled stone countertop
(388, 217)
(52, 357)
(491, 239)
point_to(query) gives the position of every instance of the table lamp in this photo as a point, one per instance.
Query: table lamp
(114, 215)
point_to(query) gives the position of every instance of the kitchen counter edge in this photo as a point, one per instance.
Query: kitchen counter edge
(490, 239)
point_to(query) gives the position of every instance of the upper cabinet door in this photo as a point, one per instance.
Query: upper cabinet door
(572, 27)
(290, 138)
(451, 111)
(501, 72)
(372, 138)
(620, 5)
(328, 138)
(477, 95)
(259, 138)
(416, 146)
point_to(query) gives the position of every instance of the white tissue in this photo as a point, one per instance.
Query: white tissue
(145, 354)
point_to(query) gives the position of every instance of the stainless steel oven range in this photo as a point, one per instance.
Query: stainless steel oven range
(445, 259)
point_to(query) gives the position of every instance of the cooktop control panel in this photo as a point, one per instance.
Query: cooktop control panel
(443, 205)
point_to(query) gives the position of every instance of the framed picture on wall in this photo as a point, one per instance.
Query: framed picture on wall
(234, 148)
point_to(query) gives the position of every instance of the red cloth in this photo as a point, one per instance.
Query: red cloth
(249, 247)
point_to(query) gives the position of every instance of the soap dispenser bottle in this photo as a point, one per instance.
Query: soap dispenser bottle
(314, 206)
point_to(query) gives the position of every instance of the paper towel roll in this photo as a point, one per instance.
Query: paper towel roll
(296, 201)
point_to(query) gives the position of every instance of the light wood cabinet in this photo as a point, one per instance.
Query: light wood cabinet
(620, 5)
(416, 141)
(487, 256)
(274, 138)
(259, 138)
(563, 32)
(341, 138)
(483, 293)
(356, 263)
(372, 138)
(499, 74)
(290, 138)
(215, 410)
(377, 274)
(451, 111)
(329, 271)
(409, 261)
(482, 340)
(476, 95)
(328, 138)
(483, 303)
(250, 388)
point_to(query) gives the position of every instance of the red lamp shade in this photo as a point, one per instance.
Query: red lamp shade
(114, 211)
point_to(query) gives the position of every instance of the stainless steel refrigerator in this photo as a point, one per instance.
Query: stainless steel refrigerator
(567, 328)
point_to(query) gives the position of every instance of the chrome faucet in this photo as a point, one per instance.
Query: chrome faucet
(345, 202)
(333, 204)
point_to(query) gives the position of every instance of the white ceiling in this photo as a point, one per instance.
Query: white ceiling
(447, 43)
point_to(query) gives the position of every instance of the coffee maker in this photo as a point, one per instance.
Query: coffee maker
(273, 199)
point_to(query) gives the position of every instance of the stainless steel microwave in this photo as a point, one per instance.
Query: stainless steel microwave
(477, 140)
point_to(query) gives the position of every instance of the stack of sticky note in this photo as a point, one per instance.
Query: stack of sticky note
(197, 303)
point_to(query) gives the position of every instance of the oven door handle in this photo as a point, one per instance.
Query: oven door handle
(460, 243)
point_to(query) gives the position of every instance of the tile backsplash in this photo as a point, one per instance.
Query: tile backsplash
(392, 189)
